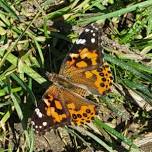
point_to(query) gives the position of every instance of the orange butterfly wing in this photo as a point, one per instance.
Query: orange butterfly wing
(61, 107)
(84, 65)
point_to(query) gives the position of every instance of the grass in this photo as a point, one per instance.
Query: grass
(35, 37)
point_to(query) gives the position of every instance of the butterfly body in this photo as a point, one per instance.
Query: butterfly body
(62, 82)
(83, 72)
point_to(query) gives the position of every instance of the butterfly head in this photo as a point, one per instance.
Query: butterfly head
(51, 76)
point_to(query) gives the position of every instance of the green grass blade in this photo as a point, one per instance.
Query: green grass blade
(94, 137)
(58, 13)
(40, 53)
(7, 8)
(29, 71)
(30, 140)
(116, 13)
(101, 125)
(4, 91)
(140, 67)
(5, 118)
(5, 104)
(138, 87)
(127, 67)
(11, 47)
(23, 85)
(16, 101)
(72, 132)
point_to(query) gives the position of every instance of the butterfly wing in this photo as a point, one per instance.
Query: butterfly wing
(61, 107)
(84, 64)
(84, 69)
(50, 112)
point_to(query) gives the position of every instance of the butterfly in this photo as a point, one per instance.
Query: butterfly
(83, 72)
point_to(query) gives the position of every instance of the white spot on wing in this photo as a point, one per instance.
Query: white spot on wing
(33, 123)
(93, 34)
(39, 114)
(80, 41)
(44, 123)
(93, 40)
(37, 110)
(87, 30)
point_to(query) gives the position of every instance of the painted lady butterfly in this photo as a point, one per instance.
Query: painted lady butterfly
(83, 71)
